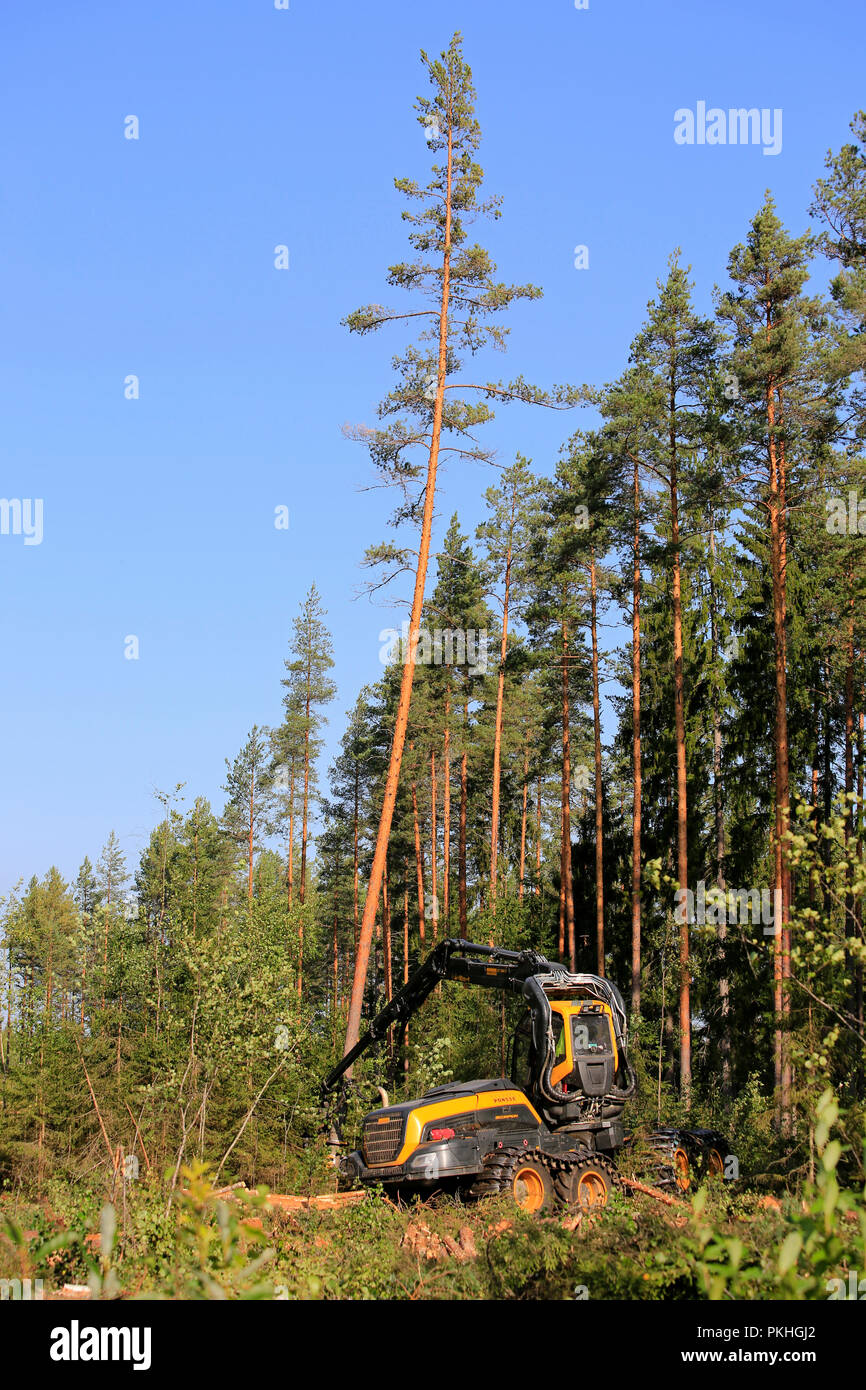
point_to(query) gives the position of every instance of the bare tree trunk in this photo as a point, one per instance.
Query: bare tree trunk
(523, 817)
(636, 766)
(419, 862)
(461, 846)
(335, 961)
(433, 874)
(682, 810)
(446, 818)
(306, 790)
(538, 839)
(386, 943)
(599, 807)
(355, 859)
(568, 901)
(195, 875)
(858, 974)
(391, 782)
(850, 915)
(406, 958)
(561, 935)
(724, 988)
(500, 695)
(105, 941)
(778, 558)
(291, 831)
(250, 840)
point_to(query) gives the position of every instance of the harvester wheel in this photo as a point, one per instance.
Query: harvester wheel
(524, 1174)
(713, 1147)
(715, 1163)
(532, 1185)
(495, 1174)
(585, 1184)
(677, 1161)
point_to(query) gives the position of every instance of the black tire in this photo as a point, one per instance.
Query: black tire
(495, 1173)
(678, 1161)
(585, 1182)
(712, 1149)
(522, 1172)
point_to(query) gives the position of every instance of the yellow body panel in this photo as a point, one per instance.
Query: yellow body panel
(444, 1109)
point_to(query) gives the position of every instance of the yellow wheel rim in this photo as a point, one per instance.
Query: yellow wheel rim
(682, 1175)
(529, 1191)
(591, 1190)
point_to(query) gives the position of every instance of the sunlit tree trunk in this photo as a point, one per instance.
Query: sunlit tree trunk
(599, 806)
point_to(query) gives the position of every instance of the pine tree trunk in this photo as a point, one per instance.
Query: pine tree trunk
(599, 807)
(402, 719)
(636, 768)
(724, 987)
(781, 781)
(105, 943)
(386, 944)
(406, 959)
(250, 849)
(461, 844)
(568, 899)
(419, 862)
(434, 884)
(195, 876)
(523, 818)
(561, 935)
(291, 833)
(538, 839)
(682, 811)
(355, 859)
(335, 960)
(500, 695)
(850, 918)
(446, 818)
(303, 892)
(858, 973)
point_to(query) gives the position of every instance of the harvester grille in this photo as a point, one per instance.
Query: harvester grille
(382, 1140)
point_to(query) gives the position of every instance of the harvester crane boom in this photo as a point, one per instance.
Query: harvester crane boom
(499, 969)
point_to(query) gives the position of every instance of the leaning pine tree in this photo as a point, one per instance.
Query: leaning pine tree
(457, 280)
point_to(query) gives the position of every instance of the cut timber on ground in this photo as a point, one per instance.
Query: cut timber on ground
(325, 1203)
(650, 1192)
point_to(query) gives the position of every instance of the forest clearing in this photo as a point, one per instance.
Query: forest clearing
(613, 765)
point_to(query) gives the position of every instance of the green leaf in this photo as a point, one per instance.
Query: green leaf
(791, 1247)
(831, 1155)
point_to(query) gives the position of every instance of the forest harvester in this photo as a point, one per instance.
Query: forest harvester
(550, 1131)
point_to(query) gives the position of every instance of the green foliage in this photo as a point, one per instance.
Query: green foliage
(822, 1239)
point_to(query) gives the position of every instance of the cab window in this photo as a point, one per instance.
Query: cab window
(590, 1033)
(559, 1036)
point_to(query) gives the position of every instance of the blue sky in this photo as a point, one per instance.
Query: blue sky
(155, 257)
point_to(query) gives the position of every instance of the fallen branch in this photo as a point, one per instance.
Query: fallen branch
(650, 1192)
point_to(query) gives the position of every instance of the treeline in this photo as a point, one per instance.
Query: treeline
(707, 855)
